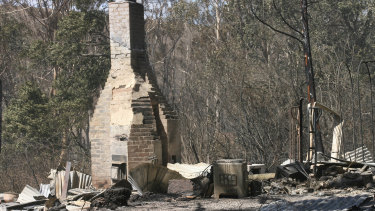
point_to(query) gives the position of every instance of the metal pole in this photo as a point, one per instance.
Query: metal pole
(291, 135)
(353, 121)
(1, 111)
(360, 111)
(315, 146)
(372, 110)
(300, 131)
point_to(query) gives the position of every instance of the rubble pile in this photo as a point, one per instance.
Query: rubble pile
(333, 180)
(330, 178)
(77, 194)
(116, 196)
(112, 198)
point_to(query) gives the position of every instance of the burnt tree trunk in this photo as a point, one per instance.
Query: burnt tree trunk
(315, 137)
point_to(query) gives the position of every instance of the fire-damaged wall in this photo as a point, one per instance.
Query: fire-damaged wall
(131, 123)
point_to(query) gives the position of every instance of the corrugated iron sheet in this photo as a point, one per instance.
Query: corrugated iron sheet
(190, 171)
(135, 185)
(76, 180)
(84, 180)
(327, 203)
(59, 183)
(45, 189)
(358, 154)
(27, 194)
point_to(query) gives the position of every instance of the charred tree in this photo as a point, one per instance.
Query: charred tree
(316, 144)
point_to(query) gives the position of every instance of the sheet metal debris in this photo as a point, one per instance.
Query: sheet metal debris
(256, 168)
(153, 178)
(189, 171)
(76, 180)
(81, 194)
(33, 205)
(4, 206)
(361, 154)
(135, 186)
(29, 194)
(325, 203)
(294, 170)
(45, 189)
(84, 180)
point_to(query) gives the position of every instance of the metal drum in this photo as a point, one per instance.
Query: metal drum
(230, 178)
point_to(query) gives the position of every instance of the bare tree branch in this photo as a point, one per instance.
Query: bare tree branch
(271, 27)
(284, 20)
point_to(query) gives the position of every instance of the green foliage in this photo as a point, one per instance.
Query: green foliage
(81, 70)
(13, 42)
(27, 121)
(38, 53)
(11, 31)
(49, 114)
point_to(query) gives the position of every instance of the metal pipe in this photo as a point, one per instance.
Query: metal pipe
(354, 131)
(360, 110)
(1, 111)
(372, 108)
(300, 130)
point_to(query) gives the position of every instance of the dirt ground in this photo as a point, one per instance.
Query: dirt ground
(173, 202)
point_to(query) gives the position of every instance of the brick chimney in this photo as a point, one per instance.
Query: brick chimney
(131, 119)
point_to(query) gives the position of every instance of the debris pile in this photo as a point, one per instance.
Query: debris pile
(68, 190)
(116, 196)
(112, 198)
(71, 190)
(150, 182)
(297, 179)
